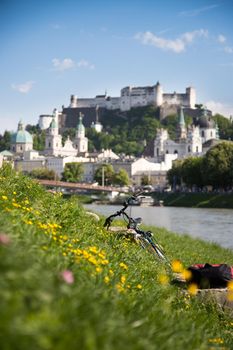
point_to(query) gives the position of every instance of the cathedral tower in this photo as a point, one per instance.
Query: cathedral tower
(80, 141)
(53, 141)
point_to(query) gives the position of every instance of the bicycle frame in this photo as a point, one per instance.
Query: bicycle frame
(143, 237)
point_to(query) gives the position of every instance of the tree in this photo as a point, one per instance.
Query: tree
(170, 123)
(104, 173)
(191, 171)
(174, 175)
(225, 127)
(5, 141)
(42, 173)
(121, 178)
(39, 140)
(73, 172)
(218, 165)
(199, 106)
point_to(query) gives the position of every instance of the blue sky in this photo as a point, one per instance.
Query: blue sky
(52, 49)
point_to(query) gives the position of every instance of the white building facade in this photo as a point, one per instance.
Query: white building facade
(53, 141)
(189, 140)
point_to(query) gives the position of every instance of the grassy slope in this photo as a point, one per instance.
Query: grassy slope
(117, 299)
(196, 200)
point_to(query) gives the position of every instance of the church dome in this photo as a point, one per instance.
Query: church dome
(21, 136)
(205, 121)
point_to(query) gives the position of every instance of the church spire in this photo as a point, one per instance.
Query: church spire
(80, 130)
(181, 117)
(181, 132)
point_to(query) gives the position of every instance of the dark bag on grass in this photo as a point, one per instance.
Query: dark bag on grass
(211, 276)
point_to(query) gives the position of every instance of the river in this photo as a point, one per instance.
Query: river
(214, 225)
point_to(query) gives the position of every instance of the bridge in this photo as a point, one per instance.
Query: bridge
(79, 186)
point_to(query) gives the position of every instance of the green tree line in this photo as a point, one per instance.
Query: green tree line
(128, 132)
(214, 169)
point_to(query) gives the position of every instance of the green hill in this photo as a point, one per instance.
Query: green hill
(66, 283)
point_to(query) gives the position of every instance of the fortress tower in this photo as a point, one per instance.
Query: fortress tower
(191, 95)
(73, 101)
(158, 94)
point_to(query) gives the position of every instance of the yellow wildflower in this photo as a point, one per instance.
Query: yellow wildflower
(111, 273)
(163, 279)
(186, 275)
(4, 198)
(92, 260)
(139, 286)
(192, 289)
(216, 341)
(16, 205)
(106, 279)
(98, 269)
(119, 287)
(104, 262)
(177, 266)
(123, 266)
(230, 285)
(93, 249)
(123, 279)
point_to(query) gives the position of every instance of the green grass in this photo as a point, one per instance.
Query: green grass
(196, 200)
(114, 299)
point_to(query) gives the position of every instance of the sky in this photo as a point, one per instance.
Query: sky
(53, 49)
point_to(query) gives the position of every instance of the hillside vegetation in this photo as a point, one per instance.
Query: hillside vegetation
(66, 283)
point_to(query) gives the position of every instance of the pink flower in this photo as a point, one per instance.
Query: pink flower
(67, 276)
(4, 239)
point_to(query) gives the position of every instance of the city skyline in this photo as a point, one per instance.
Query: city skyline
(52, 49)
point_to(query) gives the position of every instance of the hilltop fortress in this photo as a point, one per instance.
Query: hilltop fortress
(130, 97)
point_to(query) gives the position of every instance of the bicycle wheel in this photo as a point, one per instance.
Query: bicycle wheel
(151, 247)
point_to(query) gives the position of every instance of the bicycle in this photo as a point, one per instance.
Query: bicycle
(144, 238)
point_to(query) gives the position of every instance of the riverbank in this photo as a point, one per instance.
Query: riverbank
(196, 200)
(67, 281)
(209, 224)
(177, 199)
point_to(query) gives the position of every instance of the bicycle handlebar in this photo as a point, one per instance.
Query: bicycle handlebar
(109, 219)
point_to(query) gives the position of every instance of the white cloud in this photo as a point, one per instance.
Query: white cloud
(23, 88)
(196, 12)
(221, 108)
(221, 39)
(228, 49)
(176, 45)
(85, 64)
(62, 65)
(68, 63)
